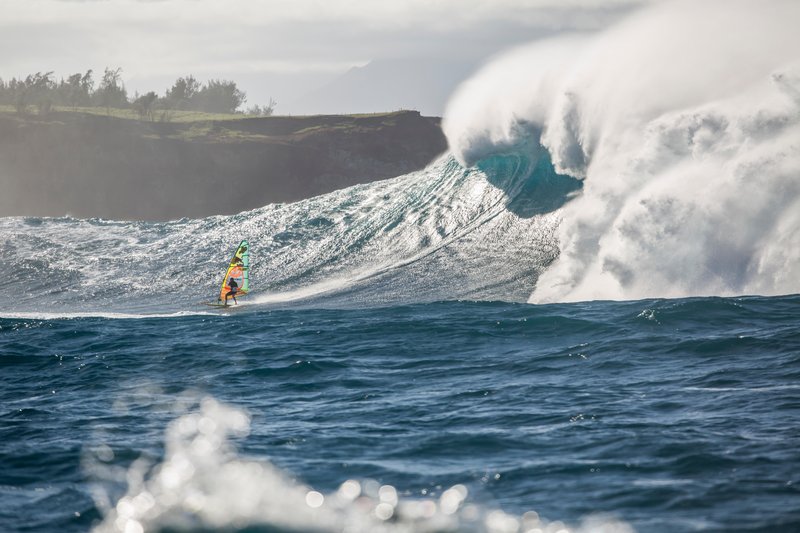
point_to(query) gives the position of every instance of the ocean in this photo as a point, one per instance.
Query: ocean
(655, 415)
(581, 318)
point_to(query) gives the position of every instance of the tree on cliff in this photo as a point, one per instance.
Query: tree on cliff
(218, 96)
(35, 89)
(111, 92)
(182, 92)
(145, 105)
(215, 96)
(77, 89)
(262, 111)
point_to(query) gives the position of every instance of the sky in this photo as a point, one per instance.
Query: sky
(283, 50)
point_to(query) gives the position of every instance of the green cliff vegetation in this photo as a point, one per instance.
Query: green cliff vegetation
(40, 93)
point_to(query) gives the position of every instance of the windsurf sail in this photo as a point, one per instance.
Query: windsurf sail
(239, 270)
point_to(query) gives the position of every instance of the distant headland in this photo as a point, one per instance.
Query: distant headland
(75, 147)
(117, 164)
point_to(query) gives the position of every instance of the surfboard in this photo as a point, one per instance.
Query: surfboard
(238, 270)
(220, 305)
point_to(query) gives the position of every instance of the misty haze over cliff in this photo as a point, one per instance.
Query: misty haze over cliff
(309, 56)
(423, 84)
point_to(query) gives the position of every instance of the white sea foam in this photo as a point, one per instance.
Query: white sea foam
(684, 123)
(203, 483)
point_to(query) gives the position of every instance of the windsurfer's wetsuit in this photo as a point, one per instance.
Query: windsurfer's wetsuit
(233, 286)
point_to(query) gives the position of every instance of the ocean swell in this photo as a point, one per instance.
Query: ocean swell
(683, 121)
(439, 234)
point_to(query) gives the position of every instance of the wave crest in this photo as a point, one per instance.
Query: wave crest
(683, 122)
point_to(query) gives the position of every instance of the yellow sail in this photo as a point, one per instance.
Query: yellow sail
(238, 270)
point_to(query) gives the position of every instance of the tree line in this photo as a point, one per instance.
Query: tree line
(41, 91)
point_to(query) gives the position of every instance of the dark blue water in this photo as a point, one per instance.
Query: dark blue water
(661, 416)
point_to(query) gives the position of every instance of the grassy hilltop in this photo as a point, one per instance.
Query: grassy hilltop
(93, 162)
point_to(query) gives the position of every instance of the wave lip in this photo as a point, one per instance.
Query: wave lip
(683, 121)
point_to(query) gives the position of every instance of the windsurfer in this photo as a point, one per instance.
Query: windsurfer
(236, 281)
(233, 287)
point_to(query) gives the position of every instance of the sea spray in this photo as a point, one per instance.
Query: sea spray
(683, 122)
(203, 484)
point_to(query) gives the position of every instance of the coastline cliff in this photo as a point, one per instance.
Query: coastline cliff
(86, 165)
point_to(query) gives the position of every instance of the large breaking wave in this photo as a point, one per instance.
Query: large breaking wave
(683, 122)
